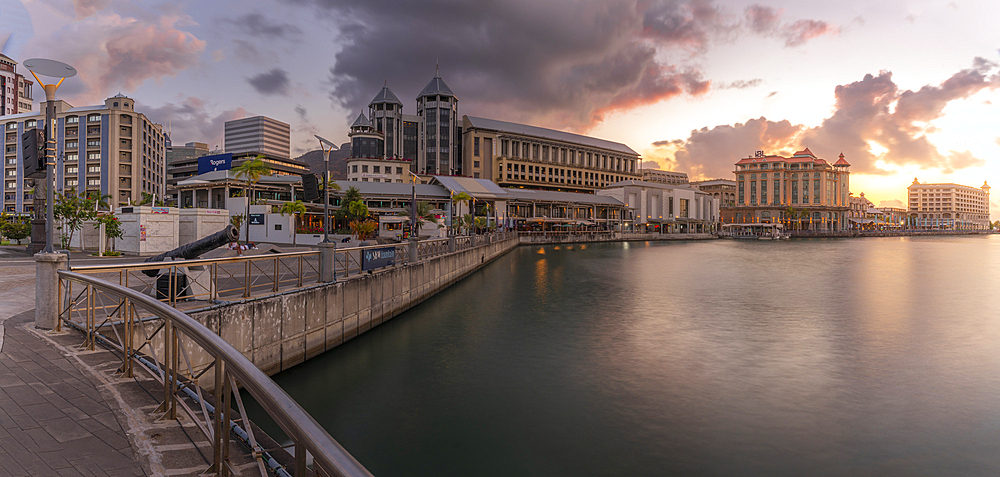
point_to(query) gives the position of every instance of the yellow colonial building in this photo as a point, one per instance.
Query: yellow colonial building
(803, 192)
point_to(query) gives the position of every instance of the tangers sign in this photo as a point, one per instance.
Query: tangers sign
(378, 257)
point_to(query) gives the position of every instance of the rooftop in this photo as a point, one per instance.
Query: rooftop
(515, 128)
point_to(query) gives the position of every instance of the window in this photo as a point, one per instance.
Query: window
(71, 169)
(376, 169)
(93, 118)
(354, 168)
(93, 182)
(399, 170)
(364, 168)
(72, 144)
(93, 169)
(94, 143)
(475, 146)
(475, 163)
(93, 155)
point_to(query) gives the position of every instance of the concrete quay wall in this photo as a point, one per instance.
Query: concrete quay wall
(281, 331)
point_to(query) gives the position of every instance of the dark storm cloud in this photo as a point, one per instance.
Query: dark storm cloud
(272, 82)
(871, 110)
(552, 63)
(257, 24)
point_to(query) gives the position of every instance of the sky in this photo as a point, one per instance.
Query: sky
(904, 89)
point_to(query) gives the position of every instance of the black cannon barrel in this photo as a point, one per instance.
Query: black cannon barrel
(195, 249)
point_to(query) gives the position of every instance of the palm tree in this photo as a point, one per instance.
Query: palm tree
(250, 171)
(295, 209)
(423, 215)
(791, 213)
(460, 198)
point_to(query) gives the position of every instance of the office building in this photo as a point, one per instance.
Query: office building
(440, 136)
(518, 155)
(15, 89)
(770, 187)
(654, 207)
(948, 206)
(109, 148)
(258, 135)
(182, 161)
(723, 190)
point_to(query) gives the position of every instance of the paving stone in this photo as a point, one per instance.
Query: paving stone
(65, 429)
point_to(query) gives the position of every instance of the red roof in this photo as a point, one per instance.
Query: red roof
(805, 151)
(842, 161)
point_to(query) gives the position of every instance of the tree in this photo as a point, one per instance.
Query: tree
(295, 209)
(459, 198)
(112, 227)
(363, 229)
(237, 220)
(16, 228)
(424, 214)
(73, 210)
(250, 171)
(357, 210)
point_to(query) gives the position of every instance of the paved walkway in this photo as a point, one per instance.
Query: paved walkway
(53, 420)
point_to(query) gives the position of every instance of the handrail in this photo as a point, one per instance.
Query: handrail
(293, 420)
(190, 263)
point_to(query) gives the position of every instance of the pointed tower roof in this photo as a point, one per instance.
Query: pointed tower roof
(385, 95)
(362, 121)
(842, 161)
(804, 152)
(436, 86)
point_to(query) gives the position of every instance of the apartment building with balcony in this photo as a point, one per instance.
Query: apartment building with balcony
(15, 89)
(109, 149)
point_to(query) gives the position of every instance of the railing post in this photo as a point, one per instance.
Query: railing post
(327, 262)
(274, 288)
(414, 253)
(47, 288)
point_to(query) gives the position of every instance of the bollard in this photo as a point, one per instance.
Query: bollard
(47, 288)
(327, 252)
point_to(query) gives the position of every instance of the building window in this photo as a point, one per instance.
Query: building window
(354, 168)
(475, 146)
(364, 168)
(475, 163)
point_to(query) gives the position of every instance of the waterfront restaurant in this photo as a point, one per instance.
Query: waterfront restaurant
(803, 192)
(543, 210)
(652, 207)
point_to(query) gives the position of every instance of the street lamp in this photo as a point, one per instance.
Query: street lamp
(54, 69)
(327, 147)
(413, 206)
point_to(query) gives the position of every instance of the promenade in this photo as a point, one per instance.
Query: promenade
(65, 412)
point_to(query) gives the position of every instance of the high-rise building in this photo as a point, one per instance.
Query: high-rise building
(440, 135)
(15, 89)
(949, 206)
(182, 162)
(108, 148)
(258, 135)
(770, 187)
(369, 161)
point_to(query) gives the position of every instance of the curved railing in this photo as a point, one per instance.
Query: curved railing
(128, 323)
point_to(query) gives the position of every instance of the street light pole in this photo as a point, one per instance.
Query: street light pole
(413, 205)
(327, 147)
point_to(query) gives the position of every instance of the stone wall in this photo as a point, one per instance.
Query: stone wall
(281, 331)
(194, 224)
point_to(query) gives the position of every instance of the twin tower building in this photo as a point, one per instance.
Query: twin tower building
(387, 145)
(430, 142)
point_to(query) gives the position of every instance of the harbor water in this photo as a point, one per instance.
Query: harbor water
(840, 357)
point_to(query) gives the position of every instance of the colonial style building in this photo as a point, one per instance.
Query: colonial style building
(723, 190)
(802, 191)
(665, 208)
(652, 174)
(861, 214)
(15, 89)
(108, 148)
(949, 206)
(518, 155)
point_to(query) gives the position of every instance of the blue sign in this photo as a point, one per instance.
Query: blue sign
(217, 162)
(378, 257)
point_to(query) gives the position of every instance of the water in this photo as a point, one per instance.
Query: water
(811, 357)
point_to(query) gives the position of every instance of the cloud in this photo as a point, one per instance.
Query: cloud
(892, 203)
(741, 84)
(270, 83)
(301, 112)
(258, 25)
(190, 120)
(766, 21)
(533, 61)
(114, 53)
(873, 121)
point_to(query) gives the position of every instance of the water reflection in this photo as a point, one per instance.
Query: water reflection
(823, 357)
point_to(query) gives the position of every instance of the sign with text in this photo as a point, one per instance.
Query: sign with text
(378, 257)
(256, 219)
(217, 162)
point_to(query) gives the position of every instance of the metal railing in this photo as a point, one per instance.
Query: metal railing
(159, 338)
(228, 278)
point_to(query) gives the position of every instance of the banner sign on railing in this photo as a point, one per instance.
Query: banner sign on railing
(378, 257)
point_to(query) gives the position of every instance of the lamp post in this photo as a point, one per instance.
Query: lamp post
(54, 69)
(413, 205)
(327, 147)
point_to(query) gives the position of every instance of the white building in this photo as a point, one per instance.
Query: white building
(665, 208)
(652, 174)
(949, 206)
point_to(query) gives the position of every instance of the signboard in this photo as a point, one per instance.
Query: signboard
(378, 257)
(217, 162)
(161, 210)
(256, 219)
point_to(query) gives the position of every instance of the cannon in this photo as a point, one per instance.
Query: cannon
(195, 249)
